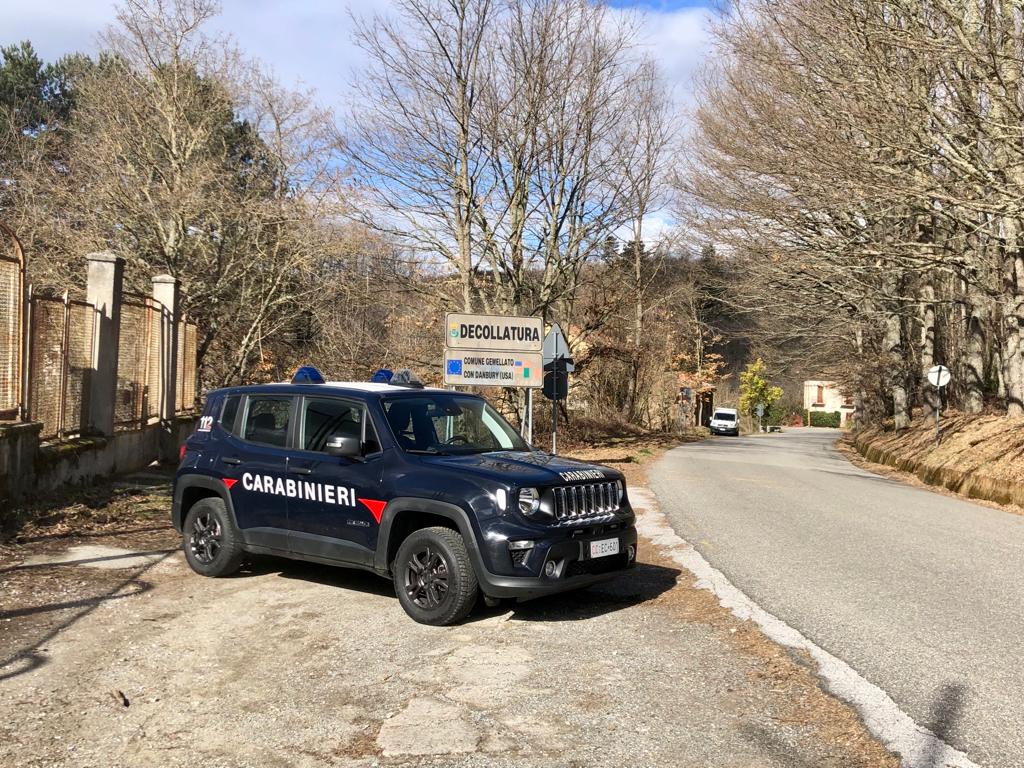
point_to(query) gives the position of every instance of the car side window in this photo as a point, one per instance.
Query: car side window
(227, 416)
(371, 443)
(327, 417)
(266, 420)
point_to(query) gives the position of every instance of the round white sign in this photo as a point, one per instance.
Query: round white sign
(938, 376)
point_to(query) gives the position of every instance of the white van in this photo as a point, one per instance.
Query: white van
(725, 421)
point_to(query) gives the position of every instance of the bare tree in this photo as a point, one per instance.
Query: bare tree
(862, 161)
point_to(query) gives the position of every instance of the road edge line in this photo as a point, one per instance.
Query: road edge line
(916, 746)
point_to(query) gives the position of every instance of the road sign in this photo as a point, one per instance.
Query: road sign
(494, 332)
(556, 378)
(555, 345)
(477, 368)
(760, 410)
(939, 376)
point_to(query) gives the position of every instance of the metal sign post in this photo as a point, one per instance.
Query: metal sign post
(554, 426)
(529, 416)
(938, 376)
(760, 414)
(557, 367)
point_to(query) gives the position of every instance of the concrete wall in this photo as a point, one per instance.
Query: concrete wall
(19, 443)
(26, 467)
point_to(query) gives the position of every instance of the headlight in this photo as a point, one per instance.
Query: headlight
(529, 500)
(622, 489)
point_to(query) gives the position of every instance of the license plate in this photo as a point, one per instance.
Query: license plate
(604, 547)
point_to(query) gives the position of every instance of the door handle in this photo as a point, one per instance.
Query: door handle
(300, 471)
(231, 460)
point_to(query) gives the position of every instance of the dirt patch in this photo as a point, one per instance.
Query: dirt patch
(978, 457)
(48, 567)
(136, 516)
(791, 675)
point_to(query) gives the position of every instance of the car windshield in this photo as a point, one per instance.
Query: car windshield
(725, 416)
(443, 423)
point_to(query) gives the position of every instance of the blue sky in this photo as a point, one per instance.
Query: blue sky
(308, 41)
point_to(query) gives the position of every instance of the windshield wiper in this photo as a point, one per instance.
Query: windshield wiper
(427, 451)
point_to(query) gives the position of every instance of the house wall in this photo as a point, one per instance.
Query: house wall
(830, 399)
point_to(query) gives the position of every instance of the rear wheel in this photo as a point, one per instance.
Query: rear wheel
(211, 542)
(434, 577)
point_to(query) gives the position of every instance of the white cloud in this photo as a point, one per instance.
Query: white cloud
(680, 40)
(307, 41)
(310, 40)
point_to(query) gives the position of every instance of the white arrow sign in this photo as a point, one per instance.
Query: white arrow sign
(939, 376)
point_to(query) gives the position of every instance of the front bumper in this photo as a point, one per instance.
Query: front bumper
(724, 430)
(573, 568)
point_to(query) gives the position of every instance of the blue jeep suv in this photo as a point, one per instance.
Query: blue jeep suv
(428, 487)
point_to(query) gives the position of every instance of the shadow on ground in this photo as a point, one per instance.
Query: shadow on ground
(637, 585)
(48, 620)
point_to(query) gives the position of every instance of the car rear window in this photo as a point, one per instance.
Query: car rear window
(266, 420)
(227, 417)
(725, 416)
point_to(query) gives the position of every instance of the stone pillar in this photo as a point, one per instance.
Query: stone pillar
(103, 291)
(165, 291)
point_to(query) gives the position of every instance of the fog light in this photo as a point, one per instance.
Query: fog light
(520, 544)
(550, 568)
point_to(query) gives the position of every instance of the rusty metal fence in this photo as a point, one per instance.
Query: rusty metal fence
(12, 322)
(61, 338)
(141, 346)
(186, 368)
(60, 360)
(48, 357)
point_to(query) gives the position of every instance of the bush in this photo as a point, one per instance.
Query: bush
(783, 414)
(826, 419)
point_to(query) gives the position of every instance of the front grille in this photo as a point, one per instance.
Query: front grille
(575, 502)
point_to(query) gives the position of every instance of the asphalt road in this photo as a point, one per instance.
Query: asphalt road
(922, 594)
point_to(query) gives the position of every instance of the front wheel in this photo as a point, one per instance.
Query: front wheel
(211, 543)
(434, 577)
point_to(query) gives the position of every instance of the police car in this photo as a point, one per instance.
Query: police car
(430, 488)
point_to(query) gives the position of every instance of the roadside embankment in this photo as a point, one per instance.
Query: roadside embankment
(981, 457)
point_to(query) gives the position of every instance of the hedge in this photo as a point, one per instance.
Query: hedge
(826, 419)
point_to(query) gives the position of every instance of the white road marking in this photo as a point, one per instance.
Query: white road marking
(917, 746)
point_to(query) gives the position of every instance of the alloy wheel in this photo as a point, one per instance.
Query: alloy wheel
(426, 578)
(205, 539)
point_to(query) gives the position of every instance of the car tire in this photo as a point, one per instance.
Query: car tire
(210, 540)
(434, 578)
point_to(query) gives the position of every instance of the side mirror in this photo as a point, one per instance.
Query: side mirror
(345, 447)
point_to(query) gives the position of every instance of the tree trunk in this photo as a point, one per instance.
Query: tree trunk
(898, 382)
(974, 353)
(1013, 344)
(860, 397)
(930, 395)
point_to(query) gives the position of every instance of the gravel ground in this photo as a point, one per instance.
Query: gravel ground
(297, 665)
